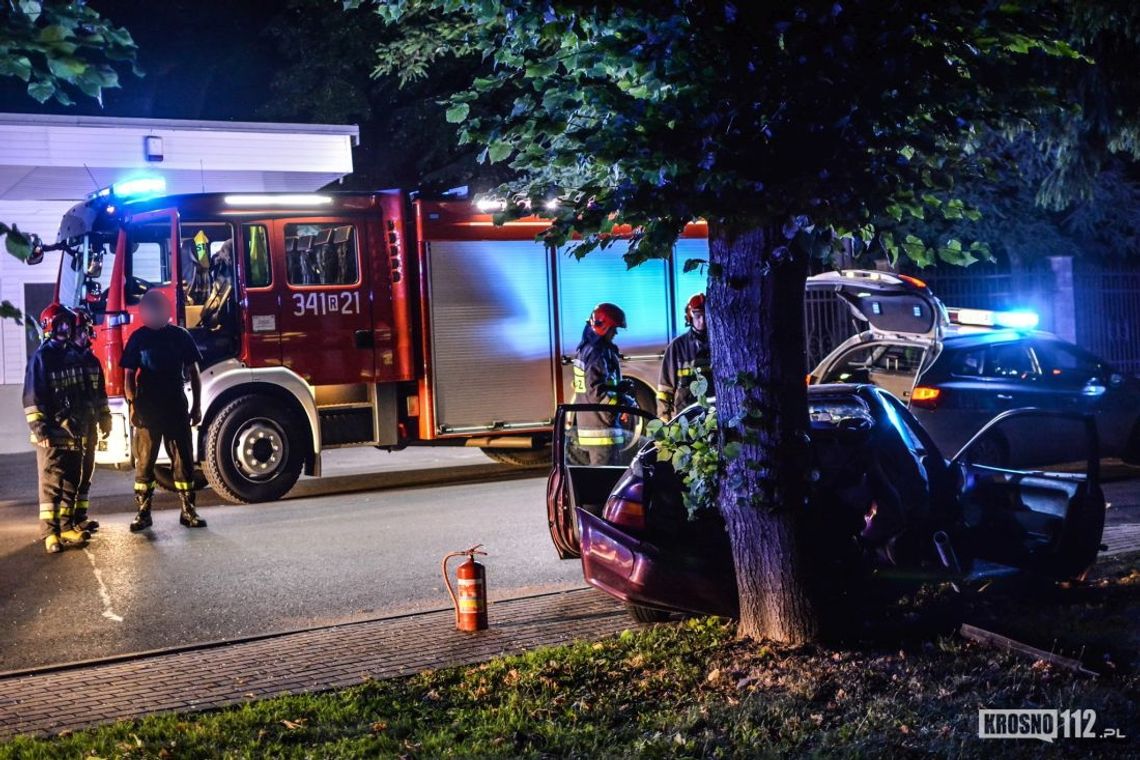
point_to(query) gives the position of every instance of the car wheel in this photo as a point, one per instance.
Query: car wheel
(647, 615)
(255, 450)
(520, 457)
(991, 450)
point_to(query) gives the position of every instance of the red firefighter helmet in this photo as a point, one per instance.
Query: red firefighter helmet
(605, 317)
(696, 303)
(54, 318)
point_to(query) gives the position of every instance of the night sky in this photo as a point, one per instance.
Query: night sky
(203, 59)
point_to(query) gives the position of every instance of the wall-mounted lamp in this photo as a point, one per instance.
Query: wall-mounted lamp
(152, 148)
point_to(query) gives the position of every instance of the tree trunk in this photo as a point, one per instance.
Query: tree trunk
(756, 297)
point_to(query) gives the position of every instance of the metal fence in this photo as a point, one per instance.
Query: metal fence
(1106, 302)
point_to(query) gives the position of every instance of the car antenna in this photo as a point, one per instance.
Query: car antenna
(91, 174)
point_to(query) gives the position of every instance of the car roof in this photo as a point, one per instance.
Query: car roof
(988, 337)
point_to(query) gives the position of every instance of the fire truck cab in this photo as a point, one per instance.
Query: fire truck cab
(330, 320)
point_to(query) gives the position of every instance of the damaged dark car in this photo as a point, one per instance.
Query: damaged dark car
(884, 503)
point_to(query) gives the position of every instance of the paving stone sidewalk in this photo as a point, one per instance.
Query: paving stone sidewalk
(307, 661)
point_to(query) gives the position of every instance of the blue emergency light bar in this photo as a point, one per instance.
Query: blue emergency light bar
(132, 189)
(1010, 320)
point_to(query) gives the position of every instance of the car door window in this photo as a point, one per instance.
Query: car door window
(1066, 364)
(1012, 361)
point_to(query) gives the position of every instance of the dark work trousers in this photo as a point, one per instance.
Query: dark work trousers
(59, 471)
(175, 431)
(88, 442)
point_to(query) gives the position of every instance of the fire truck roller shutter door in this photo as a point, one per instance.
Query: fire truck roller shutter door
(492, 335)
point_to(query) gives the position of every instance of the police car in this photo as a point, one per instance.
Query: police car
(958, 368)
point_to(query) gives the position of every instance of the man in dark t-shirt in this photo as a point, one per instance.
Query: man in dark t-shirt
(158, 359)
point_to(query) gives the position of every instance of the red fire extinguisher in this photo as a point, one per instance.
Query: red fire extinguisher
(471, 602)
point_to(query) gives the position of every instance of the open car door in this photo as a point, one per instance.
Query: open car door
(1047, 521)
(587, 466)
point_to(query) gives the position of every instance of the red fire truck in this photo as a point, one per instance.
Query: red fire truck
(330, 320)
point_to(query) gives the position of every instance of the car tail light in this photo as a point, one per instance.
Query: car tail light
(925, 397)
(912, 280)
(626, 506)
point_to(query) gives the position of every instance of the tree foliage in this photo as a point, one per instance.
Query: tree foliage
(61, 49)
(859, 116)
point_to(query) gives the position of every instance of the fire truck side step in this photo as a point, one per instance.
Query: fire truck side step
(340, 427)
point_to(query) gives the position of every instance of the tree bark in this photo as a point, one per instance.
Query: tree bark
(755, 314)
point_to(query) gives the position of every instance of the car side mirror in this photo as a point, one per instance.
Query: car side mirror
(1116, 379)
(36, 252)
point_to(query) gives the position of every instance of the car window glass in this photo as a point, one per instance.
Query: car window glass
(1011, 361)
(967, 363)
(867, 362)
(321, 253)
(1066, 363)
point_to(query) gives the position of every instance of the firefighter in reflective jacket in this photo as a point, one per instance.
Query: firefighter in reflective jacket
(597, 380)
(686, 360)
(54, 408)
(97, 417)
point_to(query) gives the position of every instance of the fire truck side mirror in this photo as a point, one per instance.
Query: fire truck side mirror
(36, 252)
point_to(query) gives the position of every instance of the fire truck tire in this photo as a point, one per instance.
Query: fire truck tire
(254, 450)
(521, 457)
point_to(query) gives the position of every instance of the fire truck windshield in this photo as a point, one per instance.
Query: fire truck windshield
(86, 272)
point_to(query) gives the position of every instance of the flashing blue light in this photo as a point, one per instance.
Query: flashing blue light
(138, 187)
(1017, 320)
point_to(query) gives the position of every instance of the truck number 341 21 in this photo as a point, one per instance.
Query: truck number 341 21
(323, 304)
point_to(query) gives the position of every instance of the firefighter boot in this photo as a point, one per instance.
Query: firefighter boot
(142, 519)
(73, 537)
(189, 516)
(70, 535)
(52, 545)
(82, 522)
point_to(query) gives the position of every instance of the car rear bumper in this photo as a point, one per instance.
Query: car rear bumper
(635, 571)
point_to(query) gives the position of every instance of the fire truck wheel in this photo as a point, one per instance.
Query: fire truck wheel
(521, 457)
(254, 450)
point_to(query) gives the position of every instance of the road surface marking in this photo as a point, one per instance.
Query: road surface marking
(103, 593)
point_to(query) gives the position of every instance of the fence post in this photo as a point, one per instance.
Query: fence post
(1064, 300)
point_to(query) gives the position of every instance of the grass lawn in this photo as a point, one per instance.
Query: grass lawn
(693, 690)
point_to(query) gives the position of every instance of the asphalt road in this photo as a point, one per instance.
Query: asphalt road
(355, 544)
(348, 546)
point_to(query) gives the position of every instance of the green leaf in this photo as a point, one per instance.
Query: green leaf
(18, 244)
(16, 66)
(498, 151)
(457, 113)
(41, 90)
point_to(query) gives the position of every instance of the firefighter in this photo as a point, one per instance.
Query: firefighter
(97, 416)
(157, 360)
(597, 380)
(686, 360)
(53, 404)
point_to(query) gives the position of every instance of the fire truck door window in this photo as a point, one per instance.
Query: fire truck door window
(257, 270)
(321, 254)
(148, 263)
(207, 274)
(85, 277)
